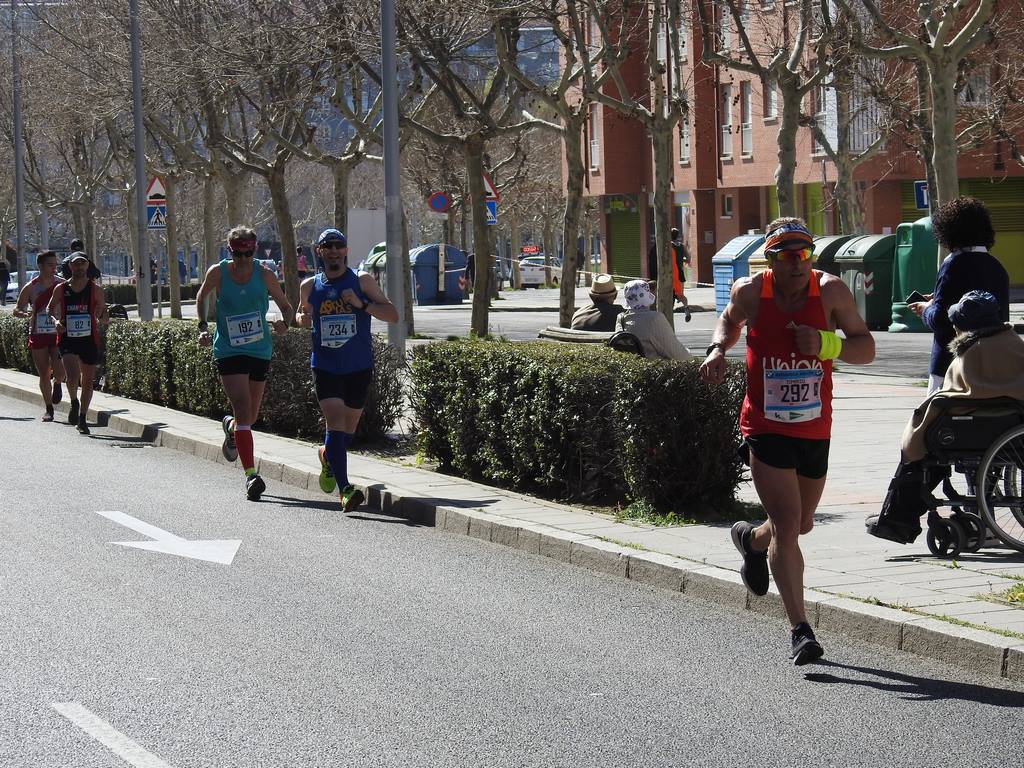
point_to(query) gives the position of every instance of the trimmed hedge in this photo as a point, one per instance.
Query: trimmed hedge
(580, 422)
(162, 363)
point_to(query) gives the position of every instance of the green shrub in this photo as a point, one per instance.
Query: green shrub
(579, 422)
(124, 293)
(162, 362)
(14, 344)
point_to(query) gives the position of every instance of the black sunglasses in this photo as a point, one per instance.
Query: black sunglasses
(243, 254)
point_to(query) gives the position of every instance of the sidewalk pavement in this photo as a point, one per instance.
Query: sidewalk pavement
(896, 596)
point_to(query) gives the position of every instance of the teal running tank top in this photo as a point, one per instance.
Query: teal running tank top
(242, 316)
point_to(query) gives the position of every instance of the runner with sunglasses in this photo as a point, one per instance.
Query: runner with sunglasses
(241, 342)
(791, 312)
(338, 305)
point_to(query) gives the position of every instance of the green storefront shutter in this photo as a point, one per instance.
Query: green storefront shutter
(624, 247)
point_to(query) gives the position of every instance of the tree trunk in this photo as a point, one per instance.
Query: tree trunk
(232, 184)
(851, 219)
(786, 141)
(410, 322)
(209, 232)
(577, 172)
(662, 143)
(941, 81)
(473, 151)
(341, 171)
(285, 230)
(173, 278)
(549, 249)
(78, 222)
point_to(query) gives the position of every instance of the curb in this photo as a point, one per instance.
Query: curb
(974, 650)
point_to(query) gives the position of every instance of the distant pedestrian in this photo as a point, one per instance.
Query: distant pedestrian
(964, 227)
(300, 262)
(74, 247)
(338, 306)
(652, 329)
(5, 279)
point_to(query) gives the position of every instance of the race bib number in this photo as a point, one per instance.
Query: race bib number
(792, 395)
(44, 325)
(244, 329)
(336, 330)
(79, 326)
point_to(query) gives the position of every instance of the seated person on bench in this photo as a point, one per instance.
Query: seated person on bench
(988, 362)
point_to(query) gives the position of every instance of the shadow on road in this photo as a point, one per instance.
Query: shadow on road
(17, 418)
(918, 688)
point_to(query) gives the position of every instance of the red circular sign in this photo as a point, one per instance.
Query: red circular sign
(439, 202)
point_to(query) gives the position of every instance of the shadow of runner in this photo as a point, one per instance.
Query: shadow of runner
(918, 688)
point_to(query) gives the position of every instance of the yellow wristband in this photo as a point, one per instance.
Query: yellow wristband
(831, 345)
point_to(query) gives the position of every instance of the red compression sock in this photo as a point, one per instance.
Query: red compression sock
(243, 442)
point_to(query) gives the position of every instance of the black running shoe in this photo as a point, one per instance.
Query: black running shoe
(228, 446)
(754, 571)
(73, 412)
(57, 393)
(254, 487)
(806, 649)
(686, 313)
(351, 498)
(83, 428)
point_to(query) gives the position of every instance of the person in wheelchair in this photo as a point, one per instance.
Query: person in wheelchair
(988, 362)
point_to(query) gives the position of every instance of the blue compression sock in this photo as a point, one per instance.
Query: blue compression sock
(336, 448)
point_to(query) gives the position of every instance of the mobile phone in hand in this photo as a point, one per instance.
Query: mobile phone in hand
(915, 296)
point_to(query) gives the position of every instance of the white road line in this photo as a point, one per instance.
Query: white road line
(109, 737)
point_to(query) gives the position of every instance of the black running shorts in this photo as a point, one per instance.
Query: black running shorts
(255, 367)
(351, 388)
(85, 349)
(808, 457)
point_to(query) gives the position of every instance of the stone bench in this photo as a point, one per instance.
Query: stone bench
(573, 336)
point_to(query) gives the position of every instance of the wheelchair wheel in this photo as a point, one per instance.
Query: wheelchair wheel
(999, 482)
(946, 538)
(974, 529)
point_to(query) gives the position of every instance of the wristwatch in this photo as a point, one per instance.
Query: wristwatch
(713, 346)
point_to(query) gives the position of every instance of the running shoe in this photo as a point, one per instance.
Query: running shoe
(327, 482)
(58, 393)
(806, 649)
(351, 498)
(82, 427)
(228, 446)
(254, 487)
(686, 312)
(754, 571)
(48, 416)
(73, 412)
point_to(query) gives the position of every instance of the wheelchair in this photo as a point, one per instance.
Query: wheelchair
(980, 443)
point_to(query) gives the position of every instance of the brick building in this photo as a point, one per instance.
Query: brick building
(726, 157)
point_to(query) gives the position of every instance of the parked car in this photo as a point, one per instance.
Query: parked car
(13, 289)
(531, 270)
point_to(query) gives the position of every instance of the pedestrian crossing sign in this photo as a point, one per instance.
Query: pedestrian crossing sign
(156, 216)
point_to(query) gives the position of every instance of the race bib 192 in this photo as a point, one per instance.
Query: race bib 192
(244, 329)
(336, 330)
(792, 395)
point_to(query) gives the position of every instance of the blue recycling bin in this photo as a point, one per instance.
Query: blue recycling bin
(730, 263)
(426, 267)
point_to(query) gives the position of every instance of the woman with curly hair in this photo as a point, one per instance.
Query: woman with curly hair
(963, 227)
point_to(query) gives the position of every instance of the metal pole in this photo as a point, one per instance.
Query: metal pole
(392, 192)
(19, 168)
(145, 298)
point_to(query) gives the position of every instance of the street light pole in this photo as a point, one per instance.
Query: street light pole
(392, 190)
(145, 298)
(19, 169)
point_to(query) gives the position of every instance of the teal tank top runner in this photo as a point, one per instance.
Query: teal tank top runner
(242, 316)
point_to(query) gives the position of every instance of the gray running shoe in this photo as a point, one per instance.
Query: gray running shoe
(254, 487)
(228, 446)
(754, 571)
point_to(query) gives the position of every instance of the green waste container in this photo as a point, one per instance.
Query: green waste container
(865, 265)
(915, 270)
(825, 250)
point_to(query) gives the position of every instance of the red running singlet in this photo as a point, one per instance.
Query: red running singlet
(42, 333)
(787, 393)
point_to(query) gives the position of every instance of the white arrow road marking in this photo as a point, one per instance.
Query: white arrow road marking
(109, 737)
(212, 550)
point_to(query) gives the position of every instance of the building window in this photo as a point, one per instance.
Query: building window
(724, 27)
(770, 97)
(684, 140)
(976, 90)
(662, 43)
(726, 121)
(684, 42)
(746, 132)
(726, 206)
(820, 102)
(595, 136)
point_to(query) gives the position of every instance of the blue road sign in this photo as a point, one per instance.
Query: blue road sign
(439, 202)
(921, 195)
(156, 216)
(492, 211)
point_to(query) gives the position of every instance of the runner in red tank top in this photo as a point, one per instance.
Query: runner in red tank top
(42, 336)
(791, 312)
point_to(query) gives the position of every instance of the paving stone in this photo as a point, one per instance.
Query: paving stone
(656, 570)
(716, 585)
(504, 534)
(600, 556)
(969, 648)
(874, 623)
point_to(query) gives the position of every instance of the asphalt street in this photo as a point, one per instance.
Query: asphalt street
(368, 641)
